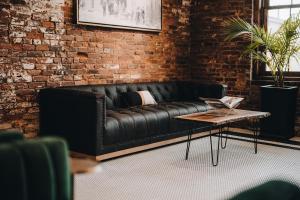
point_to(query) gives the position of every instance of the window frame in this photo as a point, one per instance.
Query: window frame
(259, 69)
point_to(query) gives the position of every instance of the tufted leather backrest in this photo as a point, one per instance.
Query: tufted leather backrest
(166, 91)
(161, 91)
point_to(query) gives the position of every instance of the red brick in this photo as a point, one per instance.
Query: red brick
(35, 35)
(42, 48)
(28, 47)
(40, 78)
(48, 24)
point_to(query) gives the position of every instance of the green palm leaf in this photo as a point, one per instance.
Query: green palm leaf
(273, 49)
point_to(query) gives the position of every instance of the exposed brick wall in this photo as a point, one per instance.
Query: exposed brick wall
(212, 58)
(41, 47)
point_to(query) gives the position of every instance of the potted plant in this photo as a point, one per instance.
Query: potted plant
(275, 51)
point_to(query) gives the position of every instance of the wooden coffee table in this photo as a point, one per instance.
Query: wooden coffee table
(220, 119)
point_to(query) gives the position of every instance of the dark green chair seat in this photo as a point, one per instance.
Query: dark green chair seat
(34, 169)
(272, 190)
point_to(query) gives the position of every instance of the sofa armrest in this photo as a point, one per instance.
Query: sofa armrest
(210, 90)
(77, 116)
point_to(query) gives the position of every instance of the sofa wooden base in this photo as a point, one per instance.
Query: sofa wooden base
(139, 148)
(158, 144)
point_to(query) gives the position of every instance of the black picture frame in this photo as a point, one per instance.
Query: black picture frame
(92, 22)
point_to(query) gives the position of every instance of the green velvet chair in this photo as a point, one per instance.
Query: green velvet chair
(272, 190)
(36, 169)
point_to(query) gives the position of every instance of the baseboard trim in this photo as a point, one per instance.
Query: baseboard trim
(146, 147)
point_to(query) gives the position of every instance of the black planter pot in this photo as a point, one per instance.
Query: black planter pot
(281, 103)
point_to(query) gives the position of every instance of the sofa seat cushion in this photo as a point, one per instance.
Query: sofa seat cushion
(134, 123)
(181, 108)
(138, 122)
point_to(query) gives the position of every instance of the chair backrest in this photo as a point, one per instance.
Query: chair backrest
(35, 169)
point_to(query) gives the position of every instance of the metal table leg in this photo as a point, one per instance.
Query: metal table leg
(188, 144)
(223, 146)
(215, 162)
(255, 133)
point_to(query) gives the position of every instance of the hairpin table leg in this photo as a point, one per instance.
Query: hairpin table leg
(215, 162)
(188, 144)
(255, 133)
(223, 146)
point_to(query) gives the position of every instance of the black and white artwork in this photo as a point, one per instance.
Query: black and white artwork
(130, 14)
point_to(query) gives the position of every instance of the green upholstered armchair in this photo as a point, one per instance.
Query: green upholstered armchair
(272, 190)
(35, 169)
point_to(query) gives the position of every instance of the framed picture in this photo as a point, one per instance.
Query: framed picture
(127, 14)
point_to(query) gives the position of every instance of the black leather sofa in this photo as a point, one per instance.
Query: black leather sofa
(94, 121)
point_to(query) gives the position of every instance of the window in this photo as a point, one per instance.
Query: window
(275, 12)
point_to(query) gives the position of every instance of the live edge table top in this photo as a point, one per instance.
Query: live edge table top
(223, 116)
